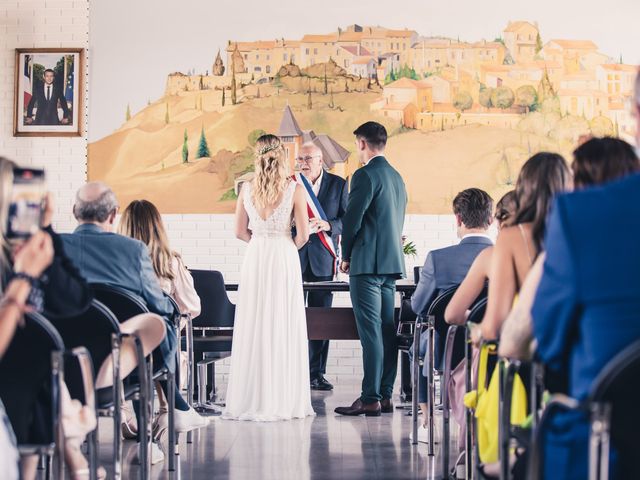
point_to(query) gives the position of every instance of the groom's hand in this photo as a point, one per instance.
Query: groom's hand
(344, 267)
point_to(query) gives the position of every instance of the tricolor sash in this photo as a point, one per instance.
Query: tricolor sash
(315, 211)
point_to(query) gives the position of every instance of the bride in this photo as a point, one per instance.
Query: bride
(269, 377)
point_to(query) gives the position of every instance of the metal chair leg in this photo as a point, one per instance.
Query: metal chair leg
(468, 443)
(431, 383)
(117, 407)
(415, 385)
(171, 394)
(189, 329)
(203, 406)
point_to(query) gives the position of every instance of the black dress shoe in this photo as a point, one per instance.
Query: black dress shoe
(386, 405)
(320, 383)
(325, 382)
(359, 408)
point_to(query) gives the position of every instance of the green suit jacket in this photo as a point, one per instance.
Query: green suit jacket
(372, 224)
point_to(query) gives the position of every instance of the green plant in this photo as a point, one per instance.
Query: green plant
(229, 195)
(409, 248)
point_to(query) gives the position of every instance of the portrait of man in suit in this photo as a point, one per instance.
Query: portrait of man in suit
(46, 98)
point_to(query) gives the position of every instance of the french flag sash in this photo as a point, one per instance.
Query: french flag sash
(315, 211)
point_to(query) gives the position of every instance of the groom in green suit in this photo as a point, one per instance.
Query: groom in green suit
(372, 256)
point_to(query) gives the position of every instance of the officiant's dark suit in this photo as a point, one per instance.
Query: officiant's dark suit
(45, 98)
(317, 265)
(372, 255)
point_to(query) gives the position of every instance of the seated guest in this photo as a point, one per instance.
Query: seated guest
(541, 178)
(141, 220)
(586, 310)
(60, 293)
(447, 267)
(596, 162)
(32, 259)
(108, 258)
(476, 279)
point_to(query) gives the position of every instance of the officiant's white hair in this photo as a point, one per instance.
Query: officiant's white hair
(313, 147)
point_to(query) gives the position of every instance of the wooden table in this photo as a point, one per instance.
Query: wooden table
(333, 323)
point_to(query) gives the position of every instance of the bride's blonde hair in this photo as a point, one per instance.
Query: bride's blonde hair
(271, 173)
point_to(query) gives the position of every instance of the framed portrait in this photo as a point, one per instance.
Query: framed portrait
(48, 92)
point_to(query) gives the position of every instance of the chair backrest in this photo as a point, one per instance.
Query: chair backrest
(476, 314)
(26, 370)
(438, 307)
(216, 309)
(405, 323)
(93, 330)
(416, 274)
(617, 385)
(122, 303)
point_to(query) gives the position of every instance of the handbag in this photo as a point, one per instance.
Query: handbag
(486, 402)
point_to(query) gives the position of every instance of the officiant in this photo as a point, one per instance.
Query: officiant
(327, 200)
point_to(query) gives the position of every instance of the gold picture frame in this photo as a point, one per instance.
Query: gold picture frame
(49, 91)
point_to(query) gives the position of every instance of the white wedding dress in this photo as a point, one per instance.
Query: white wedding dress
(269, 376)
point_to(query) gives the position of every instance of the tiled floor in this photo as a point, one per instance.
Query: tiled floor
(327, 446)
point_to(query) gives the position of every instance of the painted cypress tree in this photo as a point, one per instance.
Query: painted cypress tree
(223, 89)
(538, 43)
(234, 97)
(325, 79)
(309, 102)
(128, 114)
(166, 114)
(203, 148)
(185, 148)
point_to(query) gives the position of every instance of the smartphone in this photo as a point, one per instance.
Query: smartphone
(27, 202)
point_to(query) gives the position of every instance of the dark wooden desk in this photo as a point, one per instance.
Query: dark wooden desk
(335, 323)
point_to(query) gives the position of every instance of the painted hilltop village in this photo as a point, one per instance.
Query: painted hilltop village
(459, 113)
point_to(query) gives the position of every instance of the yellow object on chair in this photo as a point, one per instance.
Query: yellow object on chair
(486, 402)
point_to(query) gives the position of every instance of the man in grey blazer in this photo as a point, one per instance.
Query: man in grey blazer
(447, 267)
(316, 261)
(105, 257)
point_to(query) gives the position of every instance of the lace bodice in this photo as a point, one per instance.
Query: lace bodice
(278, 224)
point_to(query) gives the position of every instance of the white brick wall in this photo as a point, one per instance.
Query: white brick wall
(205, 241)
(36, 24)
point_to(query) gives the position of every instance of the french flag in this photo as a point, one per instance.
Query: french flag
(315, 211)
(27, 79)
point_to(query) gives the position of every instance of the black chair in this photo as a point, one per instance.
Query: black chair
(612, 405)
(31, 374)
(405, 324)
(97, 329)
(453, 352)
(476, 314)
(215, 332)
(125, 305)
(435, 315)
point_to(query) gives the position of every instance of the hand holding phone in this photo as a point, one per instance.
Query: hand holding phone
(27, 203)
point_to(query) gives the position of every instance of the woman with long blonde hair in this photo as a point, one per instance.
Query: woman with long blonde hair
(269, 377)
(141, 220)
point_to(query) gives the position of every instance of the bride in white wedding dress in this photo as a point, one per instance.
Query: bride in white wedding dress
(269, 377)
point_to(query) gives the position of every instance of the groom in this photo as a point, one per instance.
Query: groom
(372, 255)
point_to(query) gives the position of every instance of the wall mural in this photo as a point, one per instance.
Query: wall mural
(459, 113)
